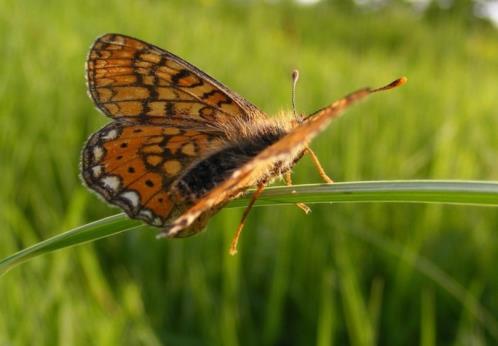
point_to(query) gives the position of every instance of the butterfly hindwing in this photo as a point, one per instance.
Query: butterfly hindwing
(133, 166)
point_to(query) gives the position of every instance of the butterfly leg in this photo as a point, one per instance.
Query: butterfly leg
(235, 240)
(318, 166)
(302, 206)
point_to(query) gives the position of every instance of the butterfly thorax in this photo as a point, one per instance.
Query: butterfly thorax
(206, 174)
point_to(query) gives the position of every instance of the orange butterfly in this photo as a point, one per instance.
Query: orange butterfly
(181, 145)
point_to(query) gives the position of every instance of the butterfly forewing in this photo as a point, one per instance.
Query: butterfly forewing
(131, 79)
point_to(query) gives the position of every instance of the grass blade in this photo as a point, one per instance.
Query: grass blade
(413, 191)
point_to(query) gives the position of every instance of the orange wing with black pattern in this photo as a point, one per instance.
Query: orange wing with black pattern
(134, 80)
(133, 166)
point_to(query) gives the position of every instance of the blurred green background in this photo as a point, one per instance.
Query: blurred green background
(358, 274)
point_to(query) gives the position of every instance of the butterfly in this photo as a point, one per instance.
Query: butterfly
(181, 145)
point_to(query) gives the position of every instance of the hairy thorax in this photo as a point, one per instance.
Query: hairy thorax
(205, 175)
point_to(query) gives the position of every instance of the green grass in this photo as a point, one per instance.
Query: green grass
(451, 192)
(356, 274)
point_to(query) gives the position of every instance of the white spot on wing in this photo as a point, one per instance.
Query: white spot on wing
(146, 213)
(157, 222)
(111, 182)
(97, 171)
(132, 197)
(98, 152)
(112, 134)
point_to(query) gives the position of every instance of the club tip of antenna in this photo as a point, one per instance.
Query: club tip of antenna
(295, 75)
(398, 82)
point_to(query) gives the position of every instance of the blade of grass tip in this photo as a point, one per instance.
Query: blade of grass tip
(416, 191)
(95, 230)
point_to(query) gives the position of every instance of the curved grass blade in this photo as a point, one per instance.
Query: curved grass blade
(90, 232)
(413, 191)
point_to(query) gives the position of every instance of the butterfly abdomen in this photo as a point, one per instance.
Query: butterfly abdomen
(214, 169)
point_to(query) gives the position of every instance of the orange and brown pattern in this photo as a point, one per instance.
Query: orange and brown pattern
(181, 145)
(128, 78)
(134, 165)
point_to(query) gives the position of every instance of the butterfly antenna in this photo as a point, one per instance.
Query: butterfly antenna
(295, 78)
(336, 108)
